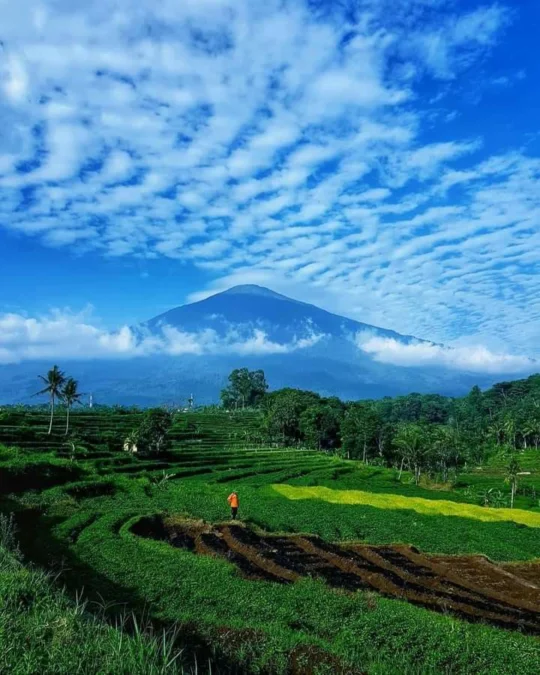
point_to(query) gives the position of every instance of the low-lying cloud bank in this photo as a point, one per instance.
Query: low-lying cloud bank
(70, 336)
(476, 359)
(63, 336)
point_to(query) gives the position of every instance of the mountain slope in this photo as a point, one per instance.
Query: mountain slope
(245, 309)
(296, 344)
(250, 306)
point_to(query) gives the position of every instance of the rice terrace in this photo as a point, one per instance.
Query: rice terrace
(269, 337)
(417, 553)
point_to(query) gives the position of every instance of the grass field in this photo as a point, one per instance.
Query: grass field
(441, 507)
(319, 575)
(43, 629)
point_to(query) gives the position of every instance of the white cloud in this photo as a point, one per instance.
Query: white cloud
(68, 336)
(216, 132)
(15, 78)
(476, 359)
(459, 40)
(117, 167)
(427, 159)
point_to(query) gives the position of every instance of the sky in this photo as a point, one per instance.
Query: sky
(378, 159)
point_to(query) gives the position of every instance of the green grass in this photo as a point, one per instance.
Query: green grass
(43, 630)
(94, 538)
(393, 502)
(79, 517)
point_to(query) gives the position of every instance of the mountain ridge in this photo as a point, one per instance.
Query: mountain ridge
(297, 344)
(251, 300)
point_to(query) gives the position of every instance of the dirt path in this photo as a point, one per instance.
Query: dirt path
(471, 587)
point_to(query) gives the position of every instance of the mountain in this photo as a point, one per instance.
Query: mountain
(247, 308)
(295, 343)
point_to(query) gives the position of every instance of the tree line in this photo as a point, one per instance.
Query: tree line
(424, 433)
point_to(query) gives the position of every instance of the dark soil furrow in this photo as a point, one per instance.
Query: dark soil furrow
(391, 583)
(472, 587)
(447, 591)
(217, 545)
(255, 554)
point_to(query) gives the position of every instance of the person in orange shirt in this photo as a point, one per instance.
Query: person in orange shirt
(233, 503)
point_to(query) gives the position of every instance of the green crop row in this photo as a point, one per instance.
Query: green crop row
(369, 634)
(43, 630)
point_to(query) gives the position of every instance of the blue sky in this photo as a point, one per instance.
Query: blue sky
(379, 159)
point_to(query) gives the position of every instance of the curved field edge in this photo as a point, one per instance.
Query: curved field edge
(264, 506)
(86, 523)
(364, 630)
(359, 630)
(469, 587)
(420, 505)
(43, 630)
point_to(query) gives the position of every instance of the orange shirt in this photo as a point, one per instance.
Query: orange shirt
(233, 500)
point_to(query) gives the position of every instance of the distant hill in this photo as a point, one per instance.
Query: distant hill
(295, 343)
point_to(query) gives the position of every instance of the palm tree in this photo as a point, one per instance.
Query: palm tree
(411, 443)
(509, 426)
(512, 473)
(496, 430)
(71, 396)
(54, 380)
(531, 429)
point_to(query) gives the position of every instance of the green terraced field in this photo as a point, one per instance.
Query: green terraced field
(81, 515)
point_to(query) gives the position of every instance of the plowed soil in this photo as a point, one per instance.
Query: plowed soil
(471, 587)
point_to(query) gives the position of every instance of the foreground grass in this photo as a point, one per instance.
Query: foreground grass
(267, 624)
(83, 524)
(43, 631)
(440, 507)
(359, 629)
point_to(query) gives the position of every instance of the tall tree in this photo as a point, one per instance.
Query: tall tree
(282, 418)
(509, 427)
(319, 425)
(54, 380)
(246, 388)
(444, 448)
(531, 431)
(512, 472)
(359, 430)
(71, 396)
(497, 429)
(152, 434)
(410, 439)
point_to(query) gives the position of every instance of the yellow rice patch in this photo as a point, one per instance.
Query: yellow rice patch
(429, 507)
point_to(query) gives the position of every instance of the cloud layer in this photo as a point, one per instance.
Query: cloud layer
(312, 147)
(475, 359)
(67, 336)
(64, 336)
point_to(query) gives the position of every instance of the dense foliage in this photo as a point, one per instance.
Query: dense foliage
(246, 389)
(151, 437)
(424, 433)
(427, 434)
